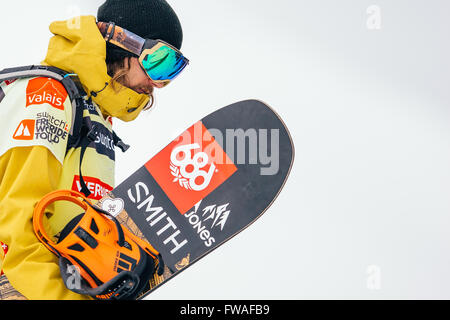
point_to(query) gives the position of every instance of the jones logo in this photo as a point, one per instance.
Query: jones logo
(46, 90)
(211, 217)
(187, 170)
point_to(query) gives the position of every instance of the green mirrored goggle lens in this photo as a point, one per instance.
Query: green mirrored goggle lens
(164, 64)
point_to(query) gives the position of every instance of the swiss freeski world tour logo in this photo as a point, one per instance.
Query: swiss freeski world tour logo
(44, 127)
(25, 130)
(191, 167)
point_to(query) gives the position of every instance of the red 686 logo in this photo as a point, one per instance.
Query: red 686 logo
(188, 171)
(191, 167)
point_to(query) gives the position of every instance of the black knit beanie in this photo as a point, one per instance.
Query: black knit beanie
(150, 19)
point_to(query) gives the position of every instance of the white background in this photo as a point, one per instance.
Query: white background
(365, 212)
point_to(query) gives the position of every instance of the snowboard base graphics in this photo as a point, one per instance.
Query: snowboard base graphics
(207, 185)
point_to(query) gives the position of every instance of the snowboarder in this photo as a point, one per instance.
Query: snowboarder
(44, 145)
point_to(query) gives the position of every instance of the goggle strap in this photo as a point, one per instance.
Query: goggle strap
(121, 37)
(110, 31)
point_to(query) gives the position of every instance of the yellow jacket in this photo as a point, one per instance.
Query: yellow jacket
(33, 157)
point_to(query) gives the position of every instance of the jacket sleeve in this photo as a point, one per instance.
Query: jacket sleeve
(26, 175)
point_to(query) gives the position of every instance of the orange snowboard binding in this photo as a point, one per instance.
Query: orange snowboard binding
(110, 262)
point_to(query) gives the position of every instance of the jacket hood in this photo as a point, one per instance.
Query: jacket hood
(80, 48)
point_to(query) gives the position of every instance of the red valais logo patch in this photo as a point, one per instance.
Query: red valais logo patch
(191, 167)
(46, 90)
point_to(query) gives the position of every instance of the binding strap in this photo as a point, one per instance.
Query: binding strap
(112, 262)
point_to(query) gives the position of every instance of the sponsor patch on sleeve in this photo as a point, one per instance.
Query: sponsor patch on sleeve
(46, 91)
(39, 113)
(97, 187)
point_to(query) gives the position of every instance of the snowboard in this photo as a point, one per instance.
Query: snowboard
(206, 186)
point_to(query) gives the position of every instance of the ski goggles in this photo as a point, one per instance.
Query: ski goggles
(161, 61)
